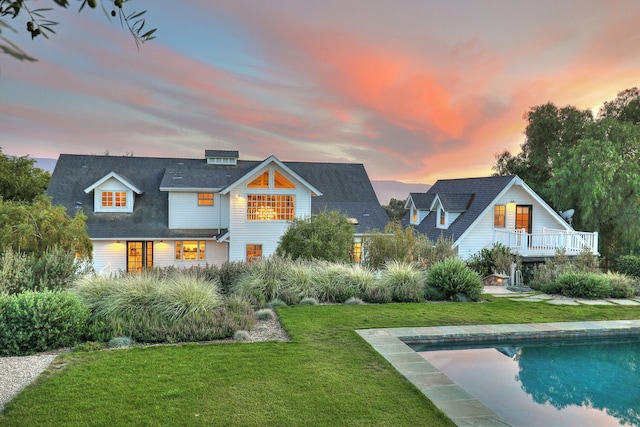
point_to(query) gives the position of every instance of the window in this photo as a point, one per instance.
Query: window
(260, 182)
(205, 199)
(114, 198)
(280, 181)
(253, 252)
(268, 207)
(190, 250)
(415, 214)
(356, 252)
(499, 216)
(443, 219)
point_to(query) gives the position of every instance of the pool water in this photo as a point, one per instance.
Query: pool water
(549, 383)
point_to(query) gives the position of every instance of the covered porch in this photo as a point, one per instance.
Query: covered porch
(545, 243)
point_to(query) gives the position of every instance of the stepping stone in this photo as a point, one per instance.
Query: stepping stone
(562, 302)
(620, 301)
(593, 302)
(530, 299)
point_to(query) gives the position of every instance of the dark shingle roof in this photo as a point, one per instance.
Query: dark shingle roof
(422, 201)
(474, 194)
(344, 186)
(221, 154)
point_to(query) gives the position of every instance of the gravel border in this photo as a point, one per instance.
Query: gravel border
(18, 372)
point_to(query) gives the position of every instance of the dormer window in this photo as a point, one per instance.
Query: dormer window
(442, 218)
(414, 214)
(113, 193)
(116, 199)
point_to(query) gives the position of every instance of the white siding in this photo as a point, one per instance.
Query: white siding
(482, 236)
(112, 184)
(184, 212)
(265, 233)
(109, 257)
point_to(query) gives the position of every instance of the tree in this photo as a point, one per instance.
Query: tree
(395, 209)
(327, 236)
(33, 227)
(20, 180)
(625, 108)
(37, 23)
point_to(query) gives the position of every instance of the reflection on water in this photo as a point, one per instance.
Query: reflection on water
(562, 384)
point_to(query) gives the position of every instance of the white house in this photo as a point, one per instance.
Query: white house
(476, 213)
(145, 211)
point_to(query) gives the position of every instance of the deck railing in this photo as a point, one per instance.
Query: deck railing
(547, 242)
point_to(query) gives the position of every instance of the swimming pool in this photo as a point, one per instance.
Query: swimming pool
(464, 407)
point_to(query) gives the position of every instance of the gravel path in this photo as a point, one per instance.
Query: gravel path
(18, 372)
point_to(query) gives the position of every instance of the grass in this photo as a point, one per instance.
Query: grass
(326, 375)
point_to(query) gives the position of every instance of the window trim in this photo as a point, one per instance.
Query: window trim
(271, 207)
(206, 199)
(113, 200)
(255, 249)
(497, 216)
(200, 252)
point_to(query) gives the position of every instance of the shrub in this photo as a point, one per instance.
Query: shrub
(377, 293)
(182, 306)
(629, 265)
(16, 274)
(57, 269)
(584, 285)
(276, 303)
(308, 301)
(262, 281)
(453, 278)
(32, 322)
(119, 342)
(332, 284)
(553, 288)
(265, 314)
(353, 301)
(622, 286)
(228, 274)
(242, 336)
(90, 346)
(543, 275)
(299, 280)
(498, 259)
(586, 262)
(404, 281)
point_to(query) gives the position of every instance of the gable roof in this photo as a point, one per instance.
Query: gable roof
(344, 186)
(422, 201)
(472, 194)
(116, 176)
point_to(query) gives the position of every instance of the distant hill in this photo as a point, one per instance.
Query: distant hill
(46, 164)
(387, 190)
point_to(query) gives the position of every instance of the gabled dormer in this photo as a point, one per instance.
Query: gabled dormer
(419, 205)
(113, 193)
(448, 207)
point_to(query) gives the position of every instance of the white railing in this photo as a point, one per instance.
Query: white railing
(106, 270)
(547, 242)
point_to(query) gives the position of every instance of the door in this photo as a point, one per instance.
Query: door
(523, 220)
(139, 256)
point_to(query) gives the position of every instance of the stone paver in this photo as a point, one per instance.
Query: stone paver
(500, 291)
(624, 301)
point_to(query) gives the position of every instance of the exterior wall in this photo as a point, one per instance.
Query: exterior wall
(482, 234)
(184, 212)
(109, 257)
(266, 233)
(112, 184)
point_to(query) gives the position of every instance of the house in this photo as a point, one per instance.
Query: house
(144, 211)
(476, 213)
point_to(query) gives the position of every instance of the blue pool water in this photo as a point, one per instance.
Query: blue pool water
(549, 383)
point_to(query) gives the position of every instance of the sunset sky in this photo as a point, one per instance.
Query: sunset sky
(417, 90)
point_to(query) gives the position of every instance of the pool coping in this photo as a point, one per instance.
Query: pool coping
(460, 406)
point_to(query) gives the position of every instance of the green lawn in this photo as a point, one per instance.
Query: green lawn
(325, 376)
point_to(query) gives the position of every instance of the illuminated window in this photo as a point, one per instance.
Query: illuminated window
(356, 252)
(253, 252)
(190, 250)
(280, 181)
(415, 214)
(107, 199)
(269, 207)
(499, 216)
(260, 182)
(443, 219)
(205, 199)
(121, 199)
(114, 198)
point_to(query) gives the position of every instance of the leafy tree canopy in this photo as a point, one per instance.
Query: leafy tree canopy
(574, 160)
(327, 236)
(395, 209)
(33, 227)
(24, 12)
(20, 180)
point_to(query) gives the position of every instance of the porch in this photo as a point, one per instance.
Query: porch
(546, 243)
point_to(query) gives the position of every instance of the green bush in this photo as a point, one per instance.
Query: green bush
(332, 284)
(404, 280)
(308, 301)
(173, 306)
(629, 265)
(32, 322)
(377, 293)
(227, 274)
(265, 314)
(16, 274)
(584, 285)
(544, 275)
(57, 269)
(498, 259)
(300, 279)
(622, 286)
(455, 280)
(262, 281)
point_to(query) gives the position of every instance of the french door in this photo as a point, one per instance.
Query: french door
(139, 256)
(523, 220)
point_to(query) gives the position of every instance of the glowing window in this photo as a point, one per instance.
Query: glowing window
(270, 207)
(205, 199)
(253, 252)
(107, 199)
(356, 252)
(415, 214)
(121, 199)
(190, 250)
(260, 182)
(443, 219)
(280, 181)
(499, 216)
